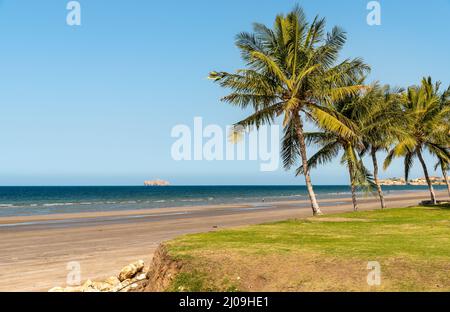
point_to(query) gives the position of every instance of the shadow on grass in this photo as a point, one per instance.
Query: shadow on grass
(445, 206)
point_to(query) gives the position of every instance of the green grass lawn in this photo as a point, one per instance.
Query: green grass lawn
(327, 253)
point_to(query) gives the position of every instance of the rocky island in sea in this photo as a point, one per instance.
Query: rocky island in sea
(156, 183)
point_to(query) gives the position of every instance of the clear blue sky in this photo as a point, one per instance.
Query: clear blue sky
(95, 104)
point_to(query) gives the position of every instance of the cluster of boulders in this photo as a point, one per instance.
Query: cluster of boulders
(129, 278)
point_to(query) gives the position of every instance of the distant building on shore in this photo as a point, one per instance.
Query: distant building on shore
(414, 182)
(156, 183)
(423, 181)
(393, 181)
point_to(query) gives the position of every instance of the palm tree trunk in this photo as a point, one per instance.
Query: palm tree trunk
(301, 139)
(353, 186)
(427, 177)
(444, 173)
(375, 176)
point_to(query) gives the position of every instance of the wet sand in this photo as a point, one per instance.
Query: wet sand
(35, 250)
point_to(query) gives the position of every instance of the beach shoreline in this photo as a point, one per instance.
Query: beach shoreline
(35, 249)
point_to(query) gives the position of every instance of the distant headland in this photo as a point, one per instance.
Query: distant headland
(156, 183)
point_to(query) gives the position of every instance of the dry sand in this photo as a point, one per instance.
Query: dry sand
(35, 250)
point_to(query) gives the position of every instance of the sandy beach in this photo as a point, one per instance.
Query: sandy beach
(35, 250)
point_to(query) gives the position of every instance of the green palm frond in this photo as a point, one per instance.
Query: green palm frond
(332, 120)
(364, 179)
(409, 158)
(271, 66)
(326, 154)
(329, 52)
(261, 117)
(290, 150)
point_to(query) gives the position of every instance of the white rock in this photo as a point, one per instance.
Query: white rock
(113, 280)
(131, 270)
(141, 277)
(102, 286)
(139, 265)
(88, 284)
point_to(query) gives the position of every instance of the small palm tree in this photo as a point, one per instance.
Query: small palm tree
(445, 166)
(379, 123)
(292, 71)
(332, 143)
(426, 128)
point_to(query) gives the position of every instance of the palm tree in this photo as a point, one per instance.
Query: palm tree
(445, 166)
(379, 125)
(332, 143)
(292, 71)
(426, 128)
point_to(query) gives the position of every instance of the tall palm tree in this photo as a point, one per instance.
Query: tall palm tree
(292, 71)
(444, 164)
(379, 125)
(426, 129)
(332, 143)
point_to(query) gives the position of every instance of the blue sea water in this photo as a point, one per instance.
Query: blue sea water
(23, 201)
